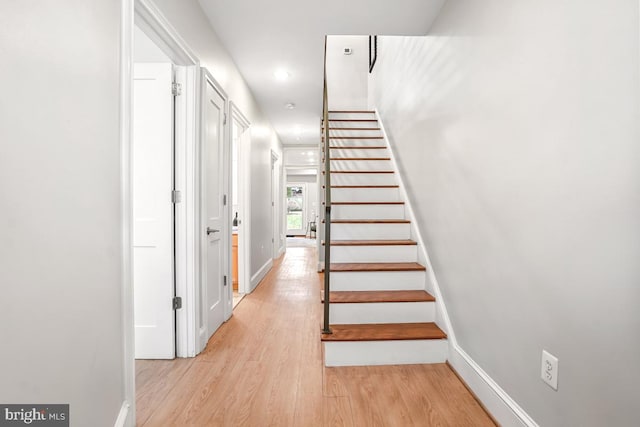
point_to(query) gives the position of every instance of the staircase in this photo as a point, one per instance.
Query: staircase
(380, 312)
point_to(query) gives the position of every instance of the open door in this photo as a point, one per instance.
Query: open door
(214, 226)
(153, 216)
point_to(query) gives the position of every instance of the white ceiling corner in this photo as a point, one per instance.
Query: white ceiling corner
(262, 37)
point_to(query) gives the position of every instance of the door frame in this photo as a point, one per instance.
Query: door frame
(152, 22)
(275, 205)
(227, 296)
(244, 200)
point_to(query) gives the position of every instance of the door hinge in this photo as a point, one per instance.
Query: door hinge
(176, 197)
(176, 89)
(177, 303)
(224, 200)
(224, 122)
(224, 279)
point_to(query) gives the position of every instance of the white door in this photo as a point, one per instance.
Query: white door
(153, 261)
(213, 145)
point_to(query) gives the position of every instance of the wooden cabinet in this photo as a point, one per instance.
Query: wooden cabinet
(234, 273)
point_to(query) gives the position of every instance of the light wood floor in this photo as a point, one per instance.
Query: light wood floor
(264, 368)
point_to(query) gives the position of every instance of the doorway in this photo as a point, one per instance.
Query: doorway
(296, 212)
(240, 146)
(153, 181)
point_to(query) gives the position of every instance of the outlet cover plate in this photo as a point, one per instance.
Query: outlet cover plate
(549, 369)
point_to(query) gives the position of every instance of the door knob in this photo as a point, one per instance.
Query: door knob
(212, 230)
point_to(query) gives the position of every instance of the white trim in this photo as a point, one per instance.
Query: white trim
(244, 202)
(123, 416)
(126, 213)
(186, 125)
(150, 19)
(423, 255)
(320, 266)
(257, 278)
(499, 404)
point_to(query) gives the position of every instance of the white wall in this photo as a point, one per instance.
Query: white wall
(517, 131)
(145, 50)
(347, 75)
(60, 257)
(189, 20)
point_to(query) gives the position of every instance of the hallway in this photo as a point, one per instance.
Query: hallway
(264, 367)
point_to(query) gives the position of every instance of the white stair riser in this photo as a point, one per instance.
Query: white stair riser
(366, 212)
(398, 253)
(349, 142)
(347, 124)
(365, 195)
(358, 116)
(354, 132)
(361, 165)
(370, 231)
(359, 152)
(378, 280)
(401, 352)
(387, 312)
(363, 179)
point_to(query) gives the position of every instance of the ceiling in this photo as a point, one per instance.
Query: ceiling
(266, 36)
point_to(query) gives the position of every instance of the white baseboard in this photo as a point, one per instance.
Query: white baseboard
(123, 419)
(500, 405)
(256, 278)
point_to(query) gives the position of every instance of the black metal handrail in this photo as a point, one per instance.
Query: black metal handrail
(326, 329)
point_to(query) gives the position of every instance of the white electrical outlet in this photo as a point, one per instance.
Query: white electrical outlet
(549, 371)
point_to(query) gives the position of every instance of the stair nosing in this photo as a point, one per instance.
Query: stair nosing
(378, 297)
(355, 137)
(378, 242)
(360, 147)
(369, 221)
(367, 203)
(361, 171)
(361, 158)
(376, 266)
(341, 332)
(363, 186)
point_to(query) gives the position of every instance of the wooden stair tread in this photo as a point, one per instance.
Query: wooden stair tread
(367, 203)
(369, 221)
(356, 297)
(360, 158)
(356, 137)
(351, 111)
(330, 128)
(362, 171)
(363, 186)
(385, 331)
(353, 120)
(373, 242)
(360, 147)
(377, 266)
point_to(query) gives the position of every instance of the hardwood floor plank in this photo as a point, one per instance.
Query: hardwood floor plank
(337, 412)
(264, 367)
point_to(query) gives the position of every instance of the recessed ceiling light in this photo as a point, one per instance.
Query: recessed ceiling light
(289, 105)
(281, 75)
